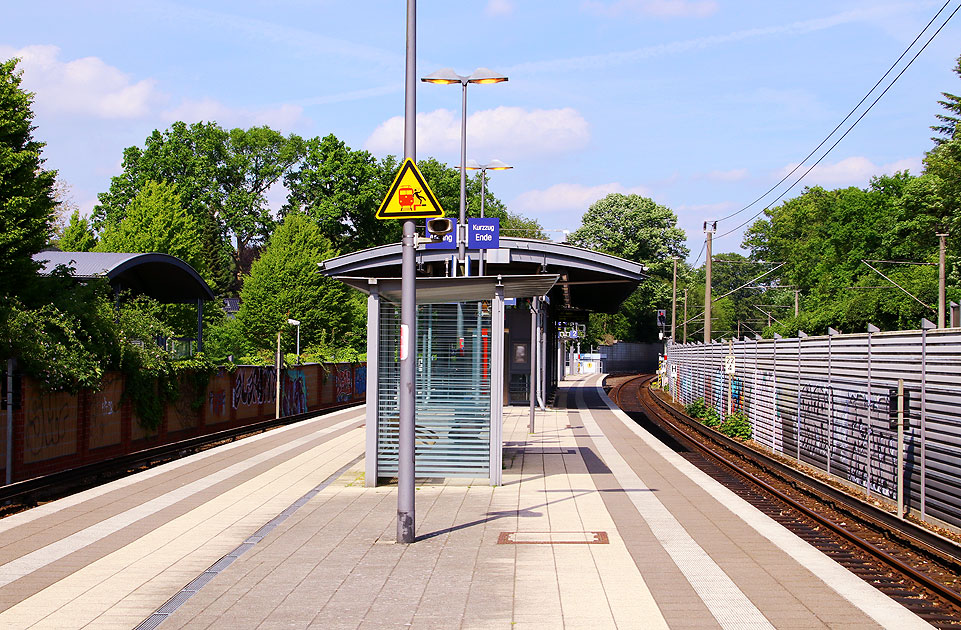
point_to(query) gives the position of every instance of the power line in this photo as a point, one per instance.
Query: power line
(851, 113)
(853, 125)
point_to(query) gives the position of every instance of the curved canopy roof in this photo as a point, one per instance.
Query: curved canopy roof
(163, 277)
(588, 280)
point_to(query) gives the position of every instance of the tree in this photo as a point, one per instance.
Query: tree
(340, 189)
(77, 236)
(26, 190)
(157, 222)
(638, 229)
(222, 178)
(948, 128)
(284, 283)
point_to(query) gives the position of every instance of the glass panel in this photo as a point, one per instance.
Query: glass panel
(453, 389)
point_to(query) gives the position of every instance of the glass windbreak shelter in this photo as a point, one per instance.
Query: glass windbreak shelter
(453, 394)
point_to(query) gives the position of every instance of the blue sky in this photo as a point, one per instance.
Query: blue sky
(701, 105)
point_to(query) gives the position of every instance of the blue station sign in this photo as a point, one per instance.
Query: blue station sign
(483, 233)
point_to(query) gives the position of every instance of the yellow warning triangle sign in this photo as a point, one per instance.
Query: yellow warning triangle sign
(409, 197)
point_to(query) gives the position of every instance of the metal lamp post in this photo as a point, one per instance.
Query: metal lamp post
(447, 76)
(493, 165)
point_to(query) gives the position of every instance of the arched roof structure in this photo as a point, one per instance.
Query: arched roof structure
(587, 280)
(163, 277)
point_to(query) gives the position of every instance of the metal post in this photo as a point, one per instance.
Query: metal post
(707, 287)
(531, 360)
(482, 254)
(11, 365)
(901, 448)
(674, 301)
(685, 316)
(941, 283)
(278, 363)
(373, 388)
(925, 327)
(871, 330)
(730, 382)
(830, 436)
(497, 385)
(408, 308)
(462, 223)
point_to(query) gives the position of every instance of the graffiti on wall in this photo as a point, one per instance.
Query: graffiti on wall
(737, 394)
(360, 380)
(343, 384)
(253, 386)
(293, 393)
(50, 426)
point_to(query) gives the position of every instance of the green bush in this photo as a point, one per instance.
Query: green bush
(711, 417)
(737, 426)
(696, 409)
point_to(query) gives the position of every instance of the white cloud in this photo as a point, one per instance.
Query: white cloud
(852, 171)
(567, 197)
(499, 7)
(510, 131)
(280, 117)
(85, 86)
(660, 8)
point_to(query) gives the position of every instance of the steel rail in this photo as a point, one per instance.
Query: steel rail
(920, 538)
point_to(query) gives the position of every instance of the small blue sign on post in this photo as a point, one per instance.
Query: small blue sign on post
(449, 241)
(483, 233)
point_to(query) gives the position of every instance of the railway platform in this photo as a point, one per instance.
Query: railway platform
(596, 525)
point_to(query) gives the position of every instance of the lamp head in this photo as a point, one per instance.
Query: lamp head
(486, 75)
(444, 76)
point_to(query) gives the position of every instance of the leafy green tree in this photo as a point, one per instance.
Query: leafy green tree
(26, 190)
(340, 189)
(156, 222)
(638, 229)
(222, 178)
(77, 236)
(284, 283)
(948, 128)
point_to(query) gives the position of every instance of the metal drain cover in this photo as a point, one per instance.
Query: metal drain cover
(552, 538)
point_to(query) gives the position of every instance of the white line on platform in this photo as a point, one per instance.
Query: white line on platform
(24, 565)
(729, 605)
(875, 604)
(16, 520)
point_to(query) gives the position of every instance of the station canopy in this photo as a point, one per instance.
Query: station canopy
(583, 280)
(163, 277)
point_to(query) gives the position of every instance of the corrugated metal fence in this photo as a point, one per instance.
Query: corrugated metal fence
(831, 402)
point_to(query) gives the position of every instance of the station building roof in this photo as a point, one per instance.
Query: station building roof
(163, 277)
(586, 280)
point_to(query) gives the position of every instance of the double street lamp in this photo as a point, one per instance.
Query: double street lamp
(447, 76)
(493, 165)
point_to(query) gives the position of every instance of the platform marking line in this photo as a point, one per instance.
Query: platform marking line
(35, 560)
(727, 603)
(142, 574)
(27, 516)
(178, 600)
(875, 604)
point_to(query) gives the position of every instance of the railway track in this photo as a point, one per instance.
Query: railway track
(912, 565)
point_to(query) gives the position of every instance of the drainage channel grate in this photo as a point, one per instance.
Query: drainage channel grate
(553, 538)
(204, 578)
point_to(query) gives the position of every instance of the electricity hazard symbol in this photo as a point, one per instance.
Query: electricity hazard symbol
(409, 197)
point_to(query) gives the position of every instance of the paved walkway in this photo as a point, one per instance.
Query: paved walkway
(595, 526)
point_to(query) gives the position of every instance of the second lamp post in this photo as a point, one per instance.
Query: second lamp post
(447, 76)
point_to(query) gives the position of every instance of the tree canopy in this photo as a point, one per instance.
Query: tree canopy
(27, 197)
(638, 229)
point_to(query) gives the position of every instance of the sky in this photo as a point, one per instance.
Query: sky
(701, 105)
